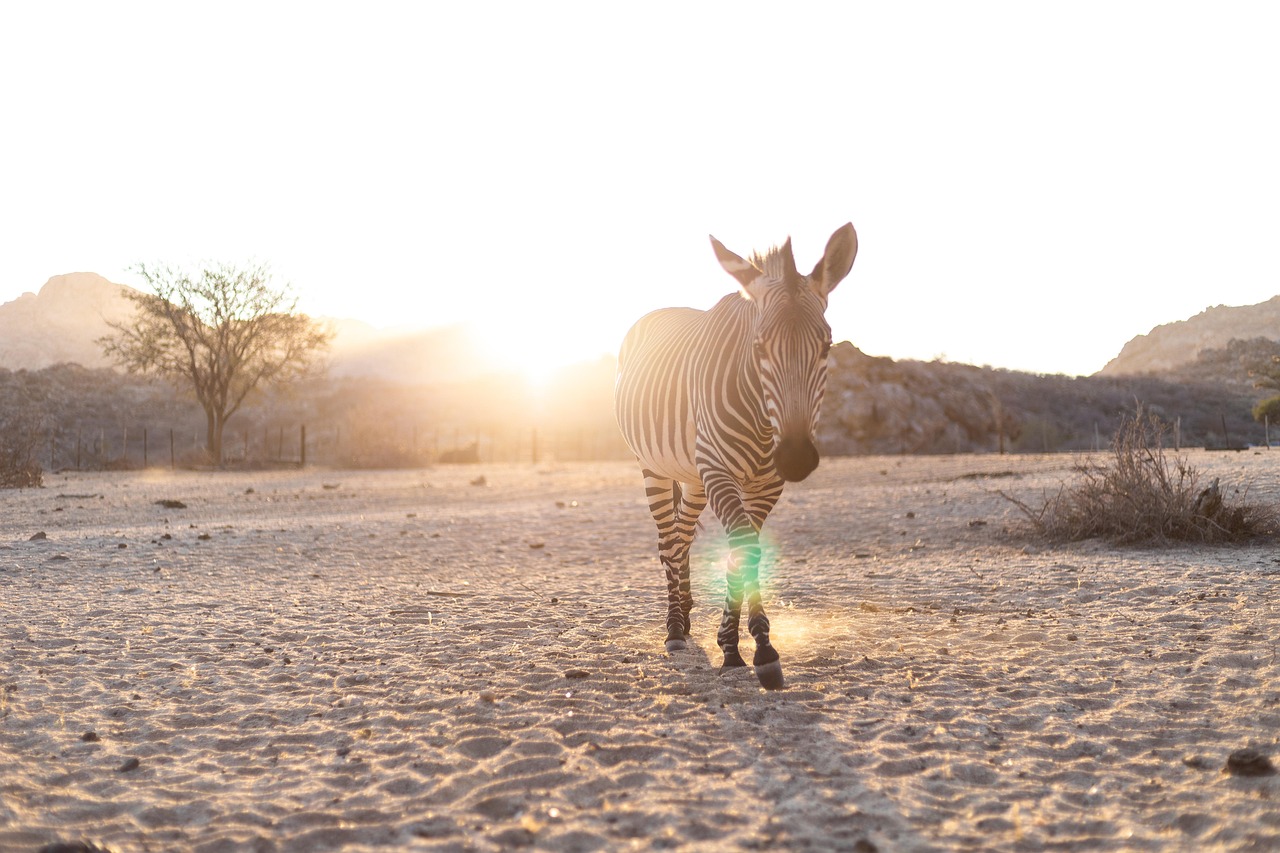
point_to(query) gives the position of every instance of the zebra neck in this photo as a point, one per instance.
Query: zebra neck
(728, 335)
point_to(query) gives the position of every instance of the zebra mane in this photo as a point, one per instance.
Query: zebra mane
(778, 264)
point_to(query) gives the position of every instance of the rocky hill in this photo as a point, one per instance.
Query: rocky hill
(1173, 346)
(878, 405)
(403, 399)
(62, 322)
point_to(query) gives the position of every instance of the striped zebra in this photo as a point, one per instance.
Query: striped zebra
(720, 408)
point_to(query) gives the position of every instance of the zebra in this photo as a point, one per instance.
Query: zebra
(720, 407)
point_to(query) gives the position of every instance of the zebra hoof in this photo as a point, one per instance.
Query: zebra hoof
(770, 675)
(674, 645)
(732, 660)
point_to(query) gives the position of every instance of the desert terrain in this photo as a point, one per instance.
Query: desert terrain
(471, 658)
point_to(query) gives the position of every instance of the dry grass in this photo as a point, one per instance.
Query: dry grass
(1146, 495)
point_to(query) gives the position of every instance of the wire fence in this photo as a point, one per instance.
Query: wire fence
(123, 448)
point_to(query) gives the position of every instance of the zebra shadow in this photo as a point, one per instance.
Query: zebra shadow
(796, 752)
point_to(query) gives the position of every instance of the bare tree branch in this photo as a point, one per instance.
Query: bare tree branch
(224, 332)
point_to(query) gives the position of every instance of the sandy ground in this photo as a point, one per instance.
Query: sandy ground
(347, 660)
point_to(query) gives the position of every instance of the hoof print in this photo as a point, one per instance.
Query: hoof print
(770, 675)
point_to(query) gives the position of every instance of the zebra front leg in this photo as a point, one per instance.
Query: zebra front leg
(742, 544)
(767, 665)
(743, 579)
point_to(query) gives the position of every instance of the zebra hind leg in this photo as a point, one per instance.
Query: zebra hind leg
(664, 499)
(692, 502)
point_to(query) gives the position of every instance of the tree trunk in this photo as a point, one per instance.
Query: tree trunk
(213, 436)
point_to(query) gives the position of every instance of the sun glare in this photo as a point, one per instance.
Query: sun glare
(538, 358)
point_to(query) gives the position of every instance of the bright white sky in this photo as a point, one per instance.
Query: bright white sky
(1032, 183)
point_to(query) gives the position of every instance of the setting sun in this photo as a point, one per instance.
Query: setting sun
(538, 351)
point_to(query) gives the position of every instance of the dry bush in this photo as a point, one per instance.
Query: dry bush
(1147, 496)
(19, 439)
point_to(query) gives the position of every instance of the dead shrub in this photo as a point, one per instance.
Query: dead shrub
(19, 440)
(1146, 496)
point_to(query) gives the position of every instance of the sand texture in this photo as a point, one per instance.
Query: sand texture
(328, 660)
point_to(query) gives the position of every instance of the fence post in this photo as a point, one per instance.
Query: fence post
(173, 457)
(145, 456)
(302, 448)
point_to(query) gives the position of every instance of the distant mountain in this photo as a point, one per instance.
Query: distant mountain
(1173, 346)
(62, 322)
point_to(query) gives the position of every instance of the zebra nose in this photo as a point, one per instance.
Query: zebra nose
(795, 458)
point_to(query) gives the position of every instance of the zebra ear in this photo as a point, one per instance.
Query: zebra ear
(836, 261)
(734, 265)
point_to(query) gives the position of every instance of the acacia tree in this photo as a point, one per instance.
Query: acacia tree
(223, 331)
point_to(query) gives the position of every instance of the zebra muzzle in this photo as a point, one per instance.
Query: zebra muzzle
(795, 458)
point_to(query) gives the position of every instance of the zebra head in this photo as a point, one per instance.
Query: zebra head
(792, 340)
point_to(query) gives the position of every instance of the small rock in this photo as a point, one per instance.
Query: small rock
(130, 764)
(576, 673)
(1249, 762)
(72, 847)
(38, 537)
(204, 537)
(169, 503)
(249, 491)
(977, 522)
(479, 481)
(123, 545)
(90, 737)
(911, 515)
(536, 545)
(488, 696)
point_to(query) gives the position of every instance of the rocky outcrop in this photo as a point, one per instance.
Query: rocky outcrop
(62, 322)
(1170, 347)
(878, 405)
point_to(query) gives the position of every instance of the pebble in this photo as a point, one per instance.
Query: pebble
(1249, 762)
(38, 537)
(576, 673)
(129, 765)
